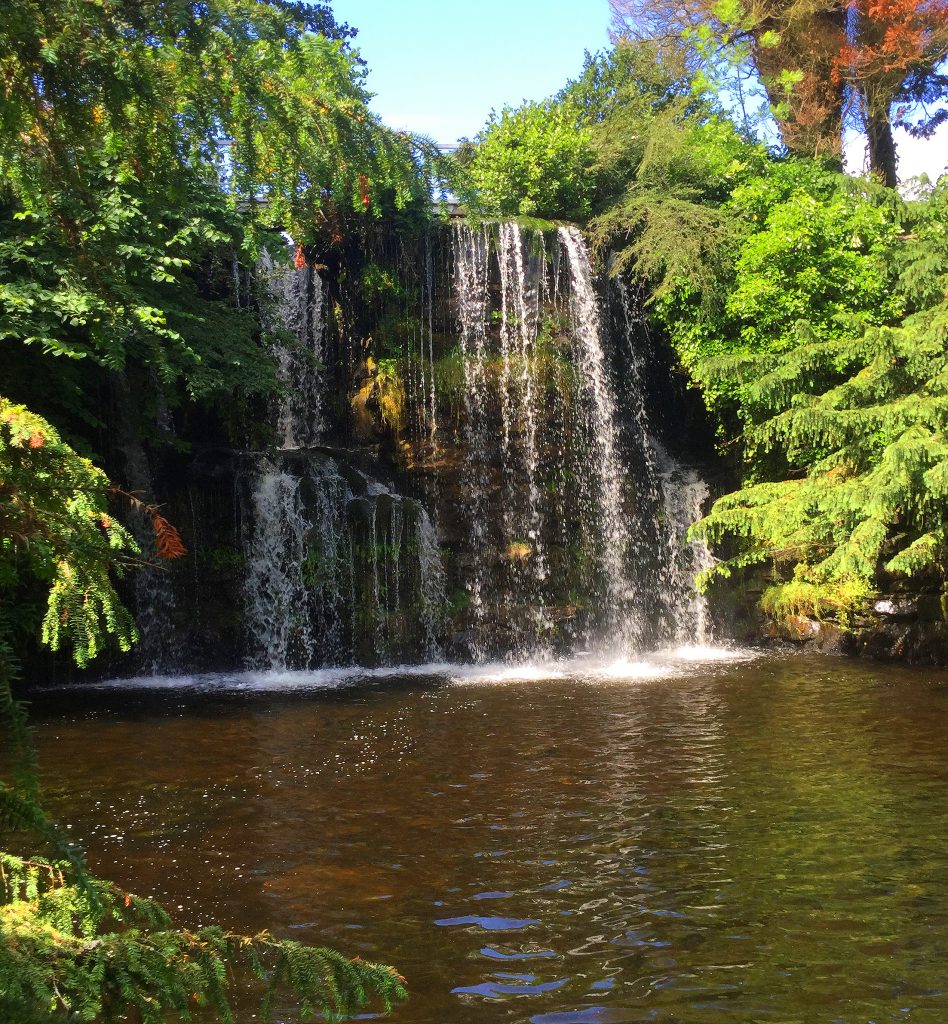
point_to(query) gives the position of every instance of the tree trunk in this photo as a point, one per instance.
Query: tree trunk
(882, 160)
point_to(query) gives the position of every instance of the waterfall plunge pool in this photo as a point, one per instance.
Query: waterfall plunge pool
(699, 836)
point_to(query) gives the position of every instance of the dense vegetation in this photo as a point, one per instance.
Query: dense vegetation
(150, 148)
(147, 149)
(806, 304)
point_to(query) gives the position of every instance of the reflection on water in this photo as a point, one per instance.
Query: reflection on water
(671, 840)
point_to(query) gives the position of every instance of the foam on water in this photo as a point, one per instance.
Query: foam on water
(588, 667)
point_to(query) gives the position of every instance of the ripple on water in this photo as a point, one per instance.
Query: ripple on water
(589, 1015)
(751, 841)
(526, 985)
(495, 953)
(489, 924)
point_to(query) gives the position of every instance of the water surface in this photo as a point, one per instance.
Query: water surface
(671, 840)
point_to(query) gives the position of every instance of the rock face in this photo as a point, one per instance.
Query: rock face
(899, 627)
(478, 453)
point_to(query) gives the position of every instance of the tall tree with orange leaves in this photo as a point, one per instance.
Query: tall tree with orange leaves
(825, 64)
(891, 69)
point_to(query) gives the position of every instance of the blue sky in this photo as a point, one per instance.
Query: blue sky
(439, 69)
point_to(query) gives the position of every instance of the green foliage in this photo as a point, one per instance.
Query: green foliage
(666, 161)
(97, 953)
(532, 161)
(854, 417)
(55, 526)
(818, 251)
(146, 148)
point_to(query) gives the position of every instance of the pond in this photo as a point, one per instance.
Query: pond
(698, 837)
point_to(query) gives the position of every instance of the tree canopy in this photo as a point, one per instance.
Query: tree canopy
(827, 65)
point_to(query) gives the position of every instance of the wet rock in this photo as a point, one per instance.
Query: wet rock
(897, 607)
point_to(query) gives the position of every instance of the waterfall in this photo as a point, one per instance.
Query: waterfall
(518, 327)
(296, 322)
(575, 515)
(277, 620)
(623, 611)
(431, 581)
(339, 567)
(684, 496)
(525, 503)
(471, 277)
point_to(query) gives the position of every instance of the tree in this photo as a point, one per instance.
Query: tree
(531, 161)
(890, 65)
(163, 133)
(846, 428)
(823, 64)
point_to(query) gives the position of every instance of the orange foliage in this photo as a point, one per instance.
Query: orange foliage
(364, 189)
(299, 261)
(167, 539)
(892, 37)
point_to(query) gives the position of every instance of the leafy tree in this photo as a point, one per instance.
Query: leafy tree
(171, 135)
(667, 159)
(892, 66)
(856, 413)
(530, 161)
(822, 64)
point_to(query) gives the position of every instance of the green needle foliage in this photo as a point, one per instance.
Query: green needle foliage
(55, 528)
(859, 421)
(92, 952)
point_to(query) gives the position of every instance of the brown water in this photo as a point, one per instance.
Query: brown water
(677, 842)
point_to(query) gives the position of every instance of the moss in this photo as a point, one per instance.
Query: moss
(225, 560)
(391, 394)
(824, 601)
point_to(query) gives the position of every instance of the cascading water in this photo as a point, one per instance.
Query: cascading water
(338, 566)
(296, 320)
(562, 514)
(676, 494)
(684, 496)
(471, 277)
(575, 516)
(518, 329)
(623, 612)
(277, 619)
